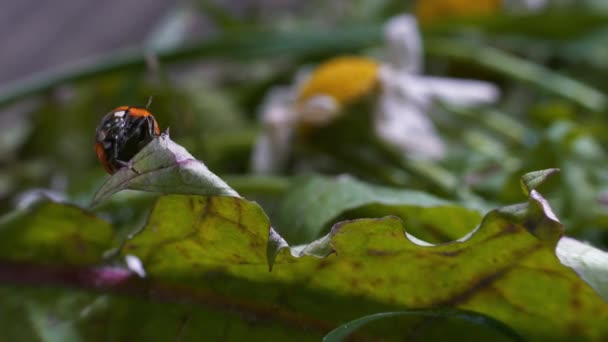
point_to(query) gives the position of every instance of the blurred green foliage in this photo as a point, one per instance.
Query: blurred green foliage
(553, 111)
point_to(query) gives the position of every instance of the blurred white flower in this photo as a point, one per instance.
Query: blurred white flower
(278, 122)
(526, 5)
(403, 99)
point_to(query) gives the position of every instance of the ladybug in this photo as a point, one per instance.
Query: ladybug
(121, 134)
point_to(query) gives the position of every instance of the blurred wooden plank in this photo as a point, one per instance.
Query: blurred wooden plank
(40, 35)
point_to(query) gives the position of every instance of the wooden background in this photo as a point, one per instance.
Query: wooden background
(37, 35)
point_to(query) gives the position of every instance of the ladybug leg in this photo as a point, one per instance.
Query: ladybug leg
(128, 165)
(138, 126)
(122, 162)
(151, 124)
(115, 152)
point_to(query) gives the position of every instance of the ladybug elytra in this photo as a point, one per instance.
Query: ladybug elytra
(121, 134)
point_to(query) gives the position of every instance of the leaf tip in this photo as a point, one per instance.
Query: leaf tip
(275, 244)
(532, 180)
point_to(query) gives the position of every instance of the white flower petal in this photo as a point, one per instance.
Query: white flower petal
(318, 110)
(404, 44)
(276, 109)
(400, 118)
(407, 128)
(273, 147)
(460, 91)
(269, 155)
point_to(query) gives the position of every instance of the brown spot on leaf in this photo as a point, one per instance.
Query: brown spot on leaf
(207, 205)
(576, 329)
(377, 252)
(392, 300)
(532, 224)
(77, 243)
(575, 301)
(376, 282)
(476, 286)
(323, 264)
(183, 251)
(239, 209)
(254, 244)
(236, 223)
(451, 253)
(508, 230)
(486, 281)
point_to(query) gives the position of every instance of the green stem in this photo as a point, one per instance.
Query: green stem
(359, 164)
(229, 143)
(432, 173)
(438, 178)
(235, 46)
(257, 184)
(245, 46)
(495, 120)
(425, 170)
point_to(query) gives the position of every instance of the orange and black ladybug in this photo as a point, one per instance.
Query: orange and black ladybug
(121, 134)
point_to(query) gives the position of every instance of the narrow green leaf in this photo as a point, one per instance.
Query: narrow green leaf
(581, 20)
(474, 318)
(238, 45)
(520, 69)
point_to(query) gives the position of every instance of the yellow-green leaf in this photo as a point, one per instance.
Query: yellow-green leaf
(54, 233)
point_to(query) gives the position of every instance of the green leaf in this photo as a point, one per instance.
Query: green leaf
(506, 269)
(54, 233)
(316, 202)
(205, 263)
(581, 20)
(472, 318)
(587, 50)
(185, 234)
(55, 314)
(532, 180)
(164, 166)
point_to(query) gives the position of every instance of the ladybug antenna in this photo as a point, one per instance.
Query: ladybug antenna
(149, 102)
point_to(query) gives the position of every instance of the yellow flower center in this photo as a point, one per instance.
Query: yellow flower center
(428, 11)
(345, 79)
